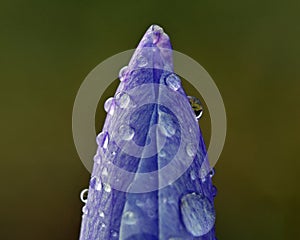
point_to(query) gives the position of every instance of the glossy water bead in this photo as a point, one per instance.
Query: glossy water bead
(196, 106)
(173, 81)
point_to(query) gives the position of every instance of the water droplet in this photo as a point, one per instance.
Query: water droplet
(140, 203)
(191, 149)
(95, 183)
(109, 106)
(84, 195)
(101, 214)
(103, 225)
(173, 81)
(126, 132)
(141, 61)
(104, 171)
(198, 214)
(151, 213)
(97, 159)
(214, 191)
(103, 139)
(107, 187)
(157, 31)
(129, 218)
(166, 124)
(122, 74)
(85, 210)
(212, 173)
(114, 234)
(196, 106)
(122, 99)
(162, 154)
(193, 175)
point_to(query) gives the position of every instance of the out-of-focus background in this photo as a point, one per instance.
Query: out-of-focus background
(250, 48)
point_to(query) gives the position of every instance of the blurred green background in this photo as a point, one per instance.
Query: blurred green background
(250, 48)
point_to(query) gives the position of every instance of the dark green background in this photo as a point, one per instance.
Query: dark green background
(250, 48)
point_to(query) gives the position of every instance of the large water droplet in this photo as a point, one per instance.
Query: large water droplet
(122, 99)
(109, 106)
(173, 81)
(95, 183)
(103, 139)
(84, 195)
(198, 214)
(191, 149)
(126, 132)
(196, 106)
(129, 218)
(122, 74)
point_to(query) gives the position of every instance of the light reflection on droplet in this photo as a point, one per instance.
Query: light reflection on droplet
(84, 195)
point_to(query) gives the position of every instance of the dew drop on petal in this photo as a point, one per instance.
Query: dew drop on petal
(122, 99)
(196, 106)
(85, 210)
(193, 175)
(101, 214)
(142, 61)
(84, 195)
(107, 187)
(129, 218)
(214, 191)
(103, 225)
(123, 72)
(212, 173)
(162, 154)
(140, 203)
(126, 132)
(97, 159)
(109, 106)
(103, 139)
(197, 213)
(114, 234)
(105, 171)
(191, 149)
(166, 124)
(173, 81)
(95, 183)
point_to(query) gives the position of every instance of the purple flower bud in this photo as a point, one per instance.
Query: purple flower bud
(151, 178)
